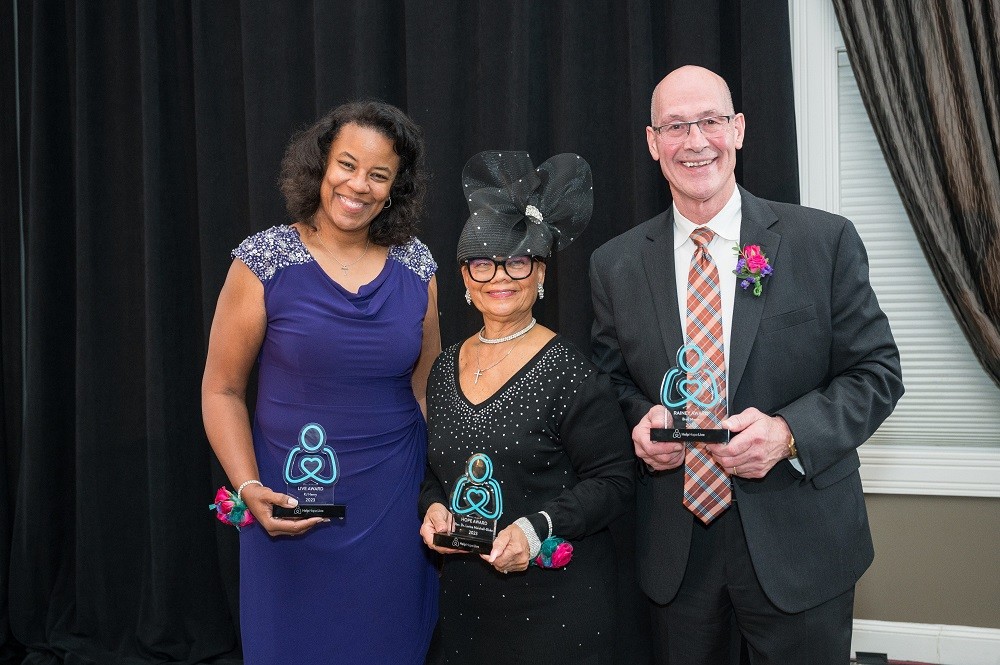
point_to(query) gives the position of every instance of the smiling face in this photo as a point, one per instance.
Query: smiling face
(503, 300)
(360, 169)
(700, 169)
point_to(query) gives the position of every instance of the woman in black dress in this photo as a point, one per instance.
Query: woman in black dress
(519, 408)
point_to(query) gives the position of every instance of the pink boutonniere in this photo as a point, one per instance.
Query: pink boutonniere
(752, 267)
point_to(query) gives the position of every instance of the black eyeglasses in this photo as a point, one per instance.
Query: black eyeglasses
(675, 132)
(517, 267)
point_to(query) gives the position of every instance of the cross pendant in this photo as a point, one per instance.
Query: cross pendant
(344, 268)
(479, 373)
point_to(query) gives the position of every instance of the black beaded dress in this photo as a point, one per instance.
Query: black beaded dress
(559, 444)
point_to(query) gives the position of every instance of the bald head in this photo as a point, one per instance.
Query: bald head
(686, 83)
(697, 153)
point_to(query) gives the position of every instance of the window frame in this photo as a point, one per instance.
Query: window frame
(886, 468)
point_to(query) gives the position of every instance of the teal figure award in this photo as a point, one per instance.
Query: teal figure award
(694, 394)
(476, 505)
(311, 471)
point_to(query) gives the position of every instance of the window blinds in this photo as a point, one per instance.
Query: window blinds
(949, 399)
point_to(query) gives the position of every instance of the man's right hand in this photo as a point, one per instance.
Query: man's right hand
(658, 456)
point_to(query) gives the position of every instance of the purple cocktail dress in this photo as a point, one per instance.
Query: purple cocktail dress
(361, 590)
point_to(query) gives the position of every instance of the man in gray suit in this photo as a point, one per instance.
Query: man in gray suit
(811, 370)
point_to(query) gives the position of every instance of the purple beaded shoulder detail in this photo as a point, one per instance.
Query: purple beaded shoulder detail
(416, 256)
(269, 251)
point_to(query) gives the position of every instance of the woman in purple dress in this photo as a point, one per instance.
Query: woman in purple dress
(339, 310)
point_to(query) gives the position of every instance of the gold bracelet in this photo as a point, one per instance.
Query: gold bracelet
(792, 450)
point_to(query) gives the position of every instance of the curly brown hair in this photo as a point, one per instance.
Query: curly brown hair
(304, 165)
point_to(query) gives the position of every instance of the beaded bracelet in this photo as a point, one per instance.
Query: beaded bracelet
(548, 521)
(239, 492)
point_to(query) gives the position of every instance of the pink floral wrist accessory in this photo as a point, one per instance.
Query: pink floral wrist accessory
(230, 509)
(555, 553)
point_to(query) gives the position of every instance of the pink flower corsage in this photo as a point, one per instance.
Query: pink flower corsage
(752, 267)
(555, 553)
(230, 509)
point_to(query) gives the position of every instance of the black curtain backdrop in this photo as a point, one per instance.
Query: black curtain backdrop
(141, 142)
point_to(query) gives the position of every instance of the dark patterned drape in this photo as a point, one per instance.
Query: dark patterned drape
(929, 75)
(146, 146)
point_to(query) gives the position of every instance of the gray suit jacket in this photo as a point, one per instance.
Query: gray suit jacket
(814, 348)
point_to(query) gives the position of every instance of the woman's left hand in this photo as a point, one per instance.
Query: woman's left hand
(437, 520)
(510, 551)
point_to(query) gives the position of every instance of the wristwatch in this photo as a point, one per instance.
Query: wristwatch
(792, 450)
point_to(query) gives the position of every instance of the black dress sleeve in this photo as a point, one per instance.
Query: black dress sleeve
(597, 440)
(431, 491)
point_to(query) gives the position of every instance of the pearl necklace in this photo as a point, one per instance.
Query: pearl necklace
(501, 340)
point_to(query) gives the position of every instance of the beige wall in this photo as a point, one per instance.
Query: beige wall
(937, 561)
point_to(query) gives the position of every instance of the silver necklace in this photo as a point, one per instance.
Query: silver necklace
(480, 370)
(343, 266)
(501, 340)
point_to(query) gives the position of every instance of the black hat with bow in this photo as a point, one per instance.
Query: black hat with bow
(520, 210)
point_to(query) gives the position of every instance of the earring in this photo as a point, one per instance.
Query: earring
(388, 203)
(541, 291)
(468, 297)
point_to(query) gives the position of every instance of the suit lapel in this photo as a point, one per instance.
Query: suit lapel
(747, 308)
(658, 262)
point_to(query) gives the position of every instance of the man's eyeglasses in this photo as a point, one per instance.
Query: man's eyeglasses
(516, 267)
(675, 132)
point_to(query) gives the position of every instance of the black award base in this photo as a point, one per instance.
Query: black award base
(457, 541)
(689, 435)
(304, 511)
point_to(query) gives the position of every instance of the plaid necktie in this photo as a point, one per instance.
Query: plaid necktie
(707, 488)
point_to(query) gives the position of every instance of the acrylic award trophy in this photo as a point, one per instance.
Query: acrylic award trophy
(310, 473)
(476, 504)
(694, 394)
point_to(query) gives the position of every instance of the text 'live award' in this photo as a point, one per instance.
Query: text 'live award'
(310, 473)
(476, 504)
(693, 393)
